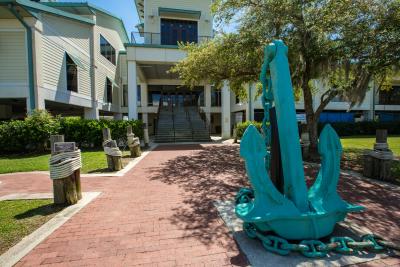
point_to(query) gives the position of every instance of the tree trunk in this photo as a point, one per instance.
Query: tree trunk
(312, 120)
(313, 132)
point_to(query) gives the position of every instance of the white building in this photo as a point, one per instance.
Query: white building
(64, 57)
(112, 75)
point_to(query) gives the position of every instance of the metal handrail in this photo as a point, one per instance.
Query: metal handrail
(158, 113)
(204, 118)
(173, 120)
(155, 38)
(190, 121)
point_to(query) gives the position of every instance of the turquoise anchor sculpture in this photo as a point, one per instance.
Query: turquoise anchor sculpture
(296, 213)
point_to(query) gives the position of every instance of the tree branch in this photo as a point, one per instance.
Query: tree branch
(330, 94)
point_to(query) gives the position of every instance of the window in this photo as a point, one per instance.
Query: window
(174, 31)
(107, 50)
(215, 98)
(109, 91)
(237, 100)
(390, 97)
(72, 75)
(125, 95)
(139, 96)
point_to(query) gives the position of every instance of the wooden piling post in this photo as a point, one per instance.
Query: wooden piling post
(65, 190)
(114, 163)
(133, 143)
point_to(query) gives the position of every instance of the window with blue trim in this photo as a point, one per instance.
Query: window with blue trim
(109, 91)
(72, 74)
(107, 50)
(174, 31)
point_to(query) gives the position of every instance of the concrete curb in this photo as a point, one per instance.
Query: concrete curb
(27, 196)
(17, 252)
(18, 173)
(120, 173)
(127, 168)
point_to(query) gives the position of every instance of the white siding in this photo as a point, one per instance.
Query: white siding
(61, 36)
(107, 28)
(13, 57)
(76, 32)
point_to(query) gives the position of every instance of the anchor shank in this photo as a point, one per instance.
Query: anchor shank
(295, 187)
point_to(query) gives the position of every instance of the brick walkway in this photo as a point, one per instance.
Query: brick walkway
(161, 212)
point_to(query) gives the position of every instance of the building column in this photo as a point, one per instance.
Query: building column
(37, 47)
(226, 111)
(250, 102)
(144, 102)
(132, 91)
(91, 113)
(373, 102)
(207, 102)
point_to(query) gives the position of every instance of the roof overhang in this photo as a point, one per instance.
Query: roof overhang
(180, 13)
(34, 7)
(140, 9)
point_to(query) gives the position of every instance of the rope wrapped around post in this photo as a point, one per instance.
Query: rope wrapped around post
(64, 164)
(113, 154)
(111, 151)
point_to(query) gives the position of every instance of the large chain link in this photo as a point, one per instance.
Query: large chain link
(317, 248)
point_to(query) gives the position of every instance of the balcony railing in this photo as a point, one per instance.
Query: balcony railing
(159, 39)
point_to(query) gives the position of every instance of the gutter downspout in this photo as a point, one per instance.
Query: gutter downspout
(30, 56)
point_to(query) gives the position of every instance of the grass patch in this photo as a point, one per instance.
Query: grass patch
(92, 161)
(19, 218)
(353, 148)
(367, 142)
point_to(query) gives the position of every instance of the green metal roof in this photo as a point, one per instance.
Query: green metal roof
(179, 12)
(35, 6)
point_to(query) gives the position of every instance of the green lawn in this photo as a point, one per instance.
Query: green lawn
(19, 218)
(92, 161)
(353, 148)
(362, 142)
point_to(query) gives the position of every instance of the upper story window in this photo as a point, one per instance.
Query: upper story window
(107, 50)
(390, 97)
(109, 91)
(174, 31)
(216, 99)
(72, 74)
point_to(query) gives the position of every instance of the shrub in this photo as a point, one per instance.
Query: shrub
(88, 133)
(342, 128)
(241, 127)
(363, 128)
(31, 134)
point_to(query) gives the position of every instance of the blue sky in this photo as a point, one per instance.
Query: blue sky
(126, 10)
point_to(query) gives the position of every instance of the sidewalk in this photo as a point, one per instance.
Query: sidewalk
(146, 217)
(161, 213)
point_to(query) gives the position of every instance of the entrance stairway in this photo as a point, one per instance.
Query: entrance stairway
(181, 124)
